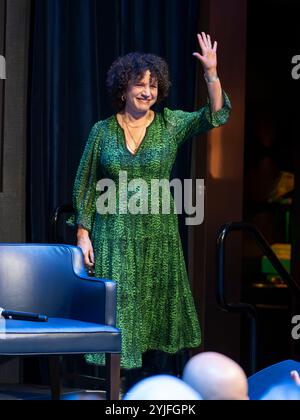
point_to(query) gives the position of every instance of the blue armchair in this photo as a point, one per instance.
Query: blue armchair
(51, 280)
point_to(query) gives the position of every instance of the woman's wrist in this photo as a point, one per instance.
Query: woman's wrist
(82, 233)
(211, 76)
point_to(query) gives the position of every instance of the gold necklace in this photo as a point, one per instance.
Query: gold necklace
(136, 144)
(140, 137)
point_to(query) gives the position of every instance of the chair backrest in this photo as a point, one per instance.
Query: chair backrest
(41, 278)
(260, 382)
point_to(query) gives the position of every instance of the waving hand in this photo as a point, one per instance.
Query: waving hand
(208, 58)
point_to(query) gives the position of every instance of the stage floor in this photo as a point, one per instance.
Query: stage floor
(28, 392)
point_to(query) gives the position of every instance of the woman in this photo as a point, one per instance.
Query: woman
(142, 252)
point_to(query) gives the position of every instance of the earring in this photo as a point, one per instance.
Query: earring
(123, 98)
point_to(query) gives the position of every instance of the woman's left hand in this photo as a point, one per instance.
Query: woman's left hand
(208, 59)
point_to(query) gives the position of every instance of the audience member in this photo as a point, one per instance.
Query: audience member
(162, 387)
(216, 377)
(210, 376)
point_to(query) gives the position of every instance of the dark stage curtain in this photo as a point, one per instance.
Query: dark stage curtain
(73, 44)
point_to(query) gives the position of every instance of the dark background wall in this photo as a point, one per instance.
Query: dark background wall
(14, 45)
(218, 158)
(14, 42)
(2, 53)
(271, 148)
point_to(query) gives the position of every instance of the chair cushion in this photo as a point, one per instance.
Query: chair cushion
(57, 336)
(54, 325)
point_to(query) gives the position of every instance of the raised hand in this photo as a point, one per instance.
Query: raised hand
(208, 58)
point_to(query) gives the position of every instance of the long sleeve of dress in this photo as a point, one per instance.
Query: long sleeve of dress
(88, 174)
(184, 125)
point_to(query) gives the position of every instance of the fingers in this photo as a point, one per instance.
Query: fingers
(87, 250)
(87, 260)
(199, 56)
(205, 39)
(209, 42)
(295, 376)
(202, 43)
(92, 258)
(89, 257)
(205, 42)
(88, 253)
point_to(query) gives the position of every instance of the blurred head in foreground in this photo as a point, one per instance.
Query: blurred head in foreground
(162, 387)
(216, 377)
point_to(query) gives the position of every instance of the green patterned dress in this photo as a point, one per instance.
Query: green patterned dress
(142, 252)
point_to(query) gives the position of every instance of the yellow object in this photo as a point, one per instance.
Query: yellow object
(283, 251)
(285, 183)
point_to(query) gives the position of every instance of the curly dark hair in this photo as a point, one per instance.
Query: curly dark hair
(131, 68)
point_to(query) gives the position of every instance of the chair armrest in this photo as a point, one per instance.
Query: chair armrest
(95, 300)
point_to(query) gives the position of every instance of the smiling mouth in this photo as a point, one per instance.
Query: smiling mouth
(144, 102)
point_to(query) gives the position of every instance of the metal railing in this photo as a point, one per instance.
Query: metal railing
(245, 308)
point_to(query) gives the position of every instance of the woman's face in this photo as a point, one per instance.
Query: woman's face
(142, 95)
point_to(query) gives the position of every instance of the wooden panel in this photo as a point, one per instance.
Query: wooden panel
(2, 91)
(218, 157)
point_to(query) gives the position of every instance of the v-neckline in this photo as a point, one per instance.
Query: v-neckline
(124, 136)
